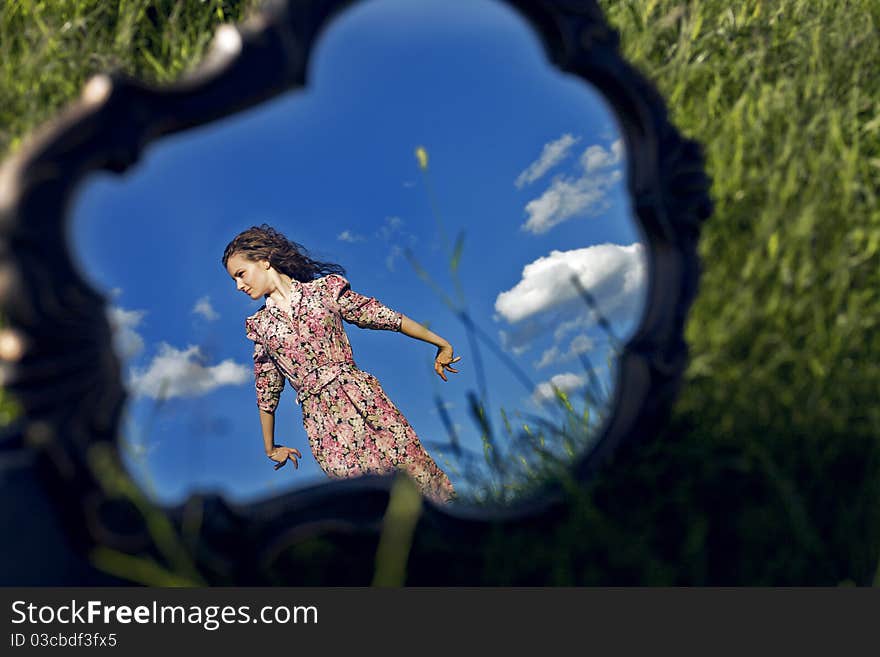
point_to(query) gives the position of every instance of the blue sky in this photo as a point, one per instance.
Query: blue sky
(526, 161)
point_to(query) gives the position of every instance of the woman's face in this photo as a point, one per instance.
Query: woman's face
(250, 276)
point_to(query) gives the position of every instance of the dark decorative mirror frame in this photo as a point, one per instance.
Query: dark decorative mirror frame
(58, 363)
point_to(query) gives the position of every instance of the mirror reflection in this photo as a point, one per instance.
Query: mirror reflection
(459, 181)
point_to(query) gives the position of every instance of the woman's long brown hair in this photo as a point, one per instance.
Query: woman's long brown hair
(265, 243)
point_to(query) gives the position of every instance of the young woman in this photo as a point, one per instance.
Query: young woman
(352, 426)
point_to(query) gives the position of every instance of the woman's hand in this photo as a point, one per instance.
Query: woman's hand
(443, 360)
(280, 454)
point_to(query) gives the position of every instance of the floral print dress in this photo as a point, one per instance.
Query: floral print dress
(352, 426)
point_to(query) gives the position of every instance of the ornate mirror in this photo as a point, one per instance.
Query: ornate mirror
(491, 170)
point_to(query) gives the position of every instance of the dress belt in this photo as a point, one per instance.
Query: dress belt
(321, 376)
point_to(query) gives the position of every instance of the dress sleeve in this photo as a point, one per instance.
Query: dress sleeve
(365, 312)
(268, 379)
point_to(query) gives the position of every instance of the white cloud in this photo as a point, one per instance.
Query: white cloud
(395, 252)
(127, 342)
(613, 274)
(392, 232)
(569, 197)
(176, 373)
(563, 328)
(586, 195)
(138, 447)
(348, 236)
(550, 356)
(596, 157)
(567, 381)
(519, 338)
(545, 301)
(203, 307)
(551, 155)
(390, 227)
(579, 345)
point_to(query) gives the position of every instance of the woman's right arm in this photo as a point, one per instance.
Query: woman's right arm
(269, 382)
(278, 453)
(267, 421)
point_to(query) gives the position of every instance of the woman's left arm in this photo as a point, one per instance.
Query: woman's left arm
(444, 359)
(369, 312)
(419, 332)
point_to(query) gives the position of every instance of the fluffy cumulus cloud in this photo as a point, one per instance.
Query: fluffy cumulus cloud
(583, 195)
(183, 373)
(127, 342)
(172, 373)
(566, 382)
(551, 155)
(612, 273)
(204, 308)
(596, 157)
(545, 301)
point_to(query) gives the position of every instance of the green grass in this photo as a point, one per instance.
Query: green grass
(769, 472)
(778, 421)
(49, 48)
